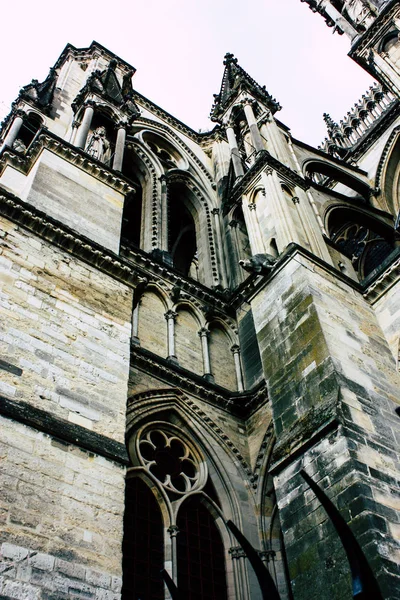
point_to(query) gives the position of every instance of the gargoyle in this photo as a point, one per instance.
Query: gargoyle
(261, 264)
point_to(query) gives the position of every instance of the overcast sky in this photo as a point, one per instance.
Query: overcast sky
(177, 47)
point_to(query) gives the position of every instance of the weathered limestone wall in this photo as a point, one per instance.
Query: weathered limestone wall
(388, 314)
(67, 326)
(64, 344)
(70, 195)
(333, 388)
(61, 512)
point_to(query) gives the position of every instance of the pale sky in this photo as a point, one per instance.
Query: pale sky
(177, 47)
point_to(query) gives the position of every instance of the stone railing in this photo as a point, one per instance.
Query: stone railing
(358, 122)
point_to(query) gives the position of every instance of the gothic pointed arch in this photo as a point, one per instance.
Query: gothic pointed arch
(388, 174)
(191, 240)
(366, 240)
(322, 172)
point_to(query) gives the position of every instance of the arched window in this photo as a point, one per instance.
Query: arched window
(201, 557)
(143, 544)
(366, 241)
(182, 244)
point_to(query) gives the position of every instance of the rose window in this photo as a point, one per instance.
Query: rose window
(170, 460)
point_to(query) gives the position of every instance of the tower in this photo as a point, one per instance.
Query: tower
(193, 325)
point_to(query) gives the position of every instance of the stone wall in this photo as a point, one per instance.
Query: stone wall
(61, 514)
(66, 326)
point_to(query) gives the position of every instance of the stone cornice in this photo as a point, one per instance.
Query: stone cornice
(133, 269)
(63, 430)
(241, 404)
(76, 156)
(387, 277)
(147, 263)
(62, 236)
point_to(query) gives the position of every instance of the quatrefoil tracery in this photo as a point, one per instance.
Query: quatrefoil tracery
(170, 460)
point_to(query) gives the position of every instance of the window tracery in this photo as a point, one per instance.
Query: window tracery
(170, 459)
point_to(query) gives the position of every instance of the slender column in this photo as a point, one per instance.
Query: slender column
(135, 324)
(285, 228)
(74, 129)
(14, 130)
(119, 147)
(83, 130)
(253, 228)
(236, 357)
(237, 161)
(220, 246)
(171, 315)
(173, 531)
(204, 334)
(239, 571)
(252, 123)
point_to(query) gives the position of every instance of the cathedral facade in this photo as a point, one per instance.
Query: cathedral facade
(200, 330)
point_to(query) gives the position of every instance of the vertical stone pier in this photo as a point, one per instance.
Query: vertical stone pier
(334, 388)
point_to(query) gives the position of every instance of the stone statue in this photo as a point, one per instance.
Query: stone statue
(19, 145)
(261, 264)
(359, 13)
(98, 146)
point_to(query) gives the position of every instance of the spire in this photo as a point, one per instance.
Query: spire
(234, 80)
(330, 123)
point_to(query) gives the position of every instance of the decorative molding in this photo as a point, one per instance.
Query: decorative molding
(152, 401)
(79, 246)
(264, 158)
(242, 404)
(63, 430)
(165, 128)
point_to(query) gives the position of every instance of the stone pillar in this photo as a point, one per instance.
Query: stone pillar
(239, 572)
(237, 161)
(173, 531)
(119, 147)
(135, 324)
(253, 229)
(171, 315)
(82, 133)
(204, 335)
(285, 229)
(252, 123)
(74, 129)
(334, 390)
(14, 130)
(238, 368)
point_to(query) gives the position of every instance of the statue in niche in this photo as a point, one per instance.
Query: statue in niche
(98, 146)
(360, 14)
(19, 145)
